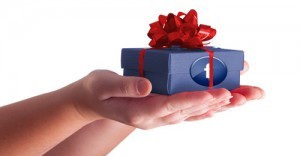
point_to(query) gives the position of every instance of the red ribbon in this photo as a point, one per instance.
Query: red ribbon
(211, 67)
(180, 30)
(141, 62)
(174, 30)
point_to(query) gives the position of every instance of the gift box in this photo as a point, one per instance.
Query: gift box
(180, 60)
(174, 70)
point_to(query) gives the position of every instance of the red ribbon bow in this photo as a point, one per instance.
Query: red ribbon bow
(184, 32)
(175, 30)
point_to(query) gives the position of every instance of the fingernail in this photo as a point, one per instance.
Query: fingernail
(229, 97)
(142, 87)
(261, 97)
(225, 98)
(262, 93)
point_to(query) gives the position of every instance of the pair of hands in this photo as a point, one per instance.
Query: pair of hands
(105, 94)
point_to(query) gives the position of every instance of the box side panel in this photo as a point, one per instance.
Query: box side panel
(159, 81)
(154, 60)
(232, 81)
(181, 62)
(178, 60)
(234, 60)
(183, 82)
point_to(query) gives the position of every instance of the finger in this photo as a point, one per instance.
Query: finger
(114, 85)
(236, 100)
(250, 93)
(212, 110)
(185, 100)
(179, 102)
(262, 92)
(183, 114)
(217, 106)
(222, 97)
(196, 100)
(246, 67)
(173, 118)
(201, 117)
(220, 94)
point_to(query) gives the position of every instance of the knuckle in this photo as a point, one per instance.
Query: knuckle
(197, 97)
(175, 117)
(204, 95)
(104, 71)
(171, 107)
(92, 78)
(95, 73)
(124, 88)
(183, 112)
(135, 121)
(92, 73)
(208, 95)
(88, 82)
(224, 91)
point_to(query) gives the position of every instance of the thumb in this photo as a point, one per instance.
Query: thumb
(115, 85)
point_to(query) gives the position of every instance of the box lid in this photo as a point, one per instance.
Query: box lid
(178, 60)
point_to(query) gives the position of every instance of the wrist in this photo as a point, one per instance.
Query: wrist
(80, 100)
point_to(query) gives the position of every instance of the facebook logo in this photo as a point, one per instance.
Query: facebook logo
(200, 71)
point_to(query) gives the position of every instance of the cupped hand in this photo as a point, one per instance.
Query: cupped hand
(105, 94)
(239, 97)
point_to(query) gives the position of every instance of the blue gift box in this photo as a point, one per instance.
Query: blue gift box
(174, 70)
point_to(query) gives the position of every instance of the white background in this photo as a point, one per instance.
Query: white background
(47, 44)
